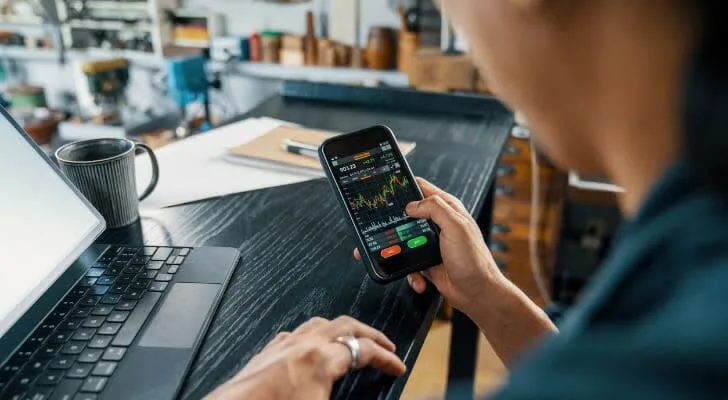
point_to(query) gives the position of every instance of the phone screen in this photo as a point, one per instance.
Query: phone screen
(376, 185)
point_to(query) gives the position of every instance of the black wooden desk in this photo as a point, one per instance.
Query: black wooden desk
(296, 249)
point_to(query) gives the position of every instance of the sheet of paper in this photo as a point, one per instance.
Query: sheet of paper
(199, 168)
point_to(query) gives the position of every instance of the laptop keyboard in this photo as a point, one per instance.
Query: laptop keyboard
(78, 347)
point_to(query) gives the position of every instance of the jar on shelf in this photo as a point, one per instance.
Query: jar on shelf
(271, 46)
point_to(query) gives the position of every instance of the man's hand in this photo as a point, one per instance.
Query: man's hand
(305, 363)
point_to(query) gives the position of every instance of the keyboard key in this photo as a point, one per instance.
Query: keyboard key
(99, 342)
(113, 354)
(98, 290)
(175, 260)
(140, 260)
(59, 337)
(104, 368)
(120, 262)
(126, 305)
(93, 322)
(102, 310)
(84, 334)
(149, 251)
(125, 279)
(49, 351)
(118, 288)
(86, 396)
(164, 277)
(135, 321)
(94, 272)
(94, 384)
(80, 312)
(132, 269)
(86, 282)
(66, 389)
(62, 362)
(183, 252)
(79, 371)
(129, 251)
(155, 265)
(73, 348)
(105, 280)
(151, 274)
(109, 328)
(57, 316)
(90, 355)
(111, 299)
(24, 382)
(49, 378)
(162, 254)
(71, 324)
(67, 303)
(133, 294)
(35, 367)
(77, 293)
(158, 286)
(114, 271)
(140, 284)
(38, 393)
(89, 301)
(118, 316)
(172, 269)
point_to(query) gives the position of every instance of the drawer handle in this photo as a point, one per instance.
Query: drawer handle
(506, 170)
(504, 190)
(499, 247)
(499, 229)
(513, 150)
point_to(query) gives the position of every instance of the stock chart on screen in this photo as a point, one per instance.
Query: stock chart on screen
(377, 191)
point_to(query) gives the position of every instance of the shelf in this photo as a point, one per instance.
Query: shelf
(108, 25)
(118, 5)
(198, 44)
(317, 74)
(22, 21)
(24, 53)
(138, 58)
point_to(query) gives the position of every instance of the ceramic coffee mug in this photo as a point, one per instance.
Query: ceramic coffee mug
(103, 170)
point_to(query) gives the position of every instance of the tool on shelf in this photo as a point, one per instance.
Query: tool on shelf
(107, 81)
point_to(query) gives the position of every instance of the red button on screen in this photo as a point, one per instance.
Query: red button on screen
(391, 251)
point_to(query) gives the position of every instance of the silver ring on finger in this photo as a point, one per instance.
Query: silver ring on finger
(354, 347)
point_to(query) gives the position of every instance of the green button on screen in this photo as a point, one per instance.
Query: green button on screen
(417, 242)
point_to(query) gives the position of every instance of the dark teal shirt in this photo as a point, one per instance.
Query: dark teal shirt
(653, 323)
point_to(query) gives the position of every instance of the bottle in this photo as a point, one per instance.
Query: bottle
(255, 47)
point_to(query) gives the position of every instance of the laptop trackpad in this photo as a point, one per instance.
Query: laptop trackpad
(178, 321)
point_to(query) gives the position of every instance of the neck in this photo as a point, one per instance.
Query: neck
(639, 112)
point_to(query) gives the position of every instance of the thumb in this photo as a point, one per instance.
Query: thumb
(436, 209)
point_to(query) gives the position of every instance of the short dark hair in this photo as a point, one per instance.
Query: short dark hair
(706, 98)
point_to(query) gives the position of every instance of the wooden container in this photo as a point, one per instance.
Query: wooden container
(271, 47)
(310, 42)
(381, 48)
(343, 54)
(409, 42)
(430, 69)
(358, 58)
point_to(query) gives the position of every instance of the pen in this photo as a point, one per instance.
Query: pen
(299, 148)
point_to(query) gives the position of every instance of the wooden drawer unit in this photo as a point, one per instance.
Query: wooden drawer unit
(510, 232)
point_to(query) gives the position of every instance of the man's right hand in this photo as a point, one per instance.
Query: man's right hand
(468, 269)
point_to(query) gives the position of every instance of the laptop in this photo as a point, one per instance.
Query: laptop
(82, 321)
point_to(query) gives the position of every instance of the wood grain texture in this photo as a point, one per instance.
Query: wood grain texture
(296, 248)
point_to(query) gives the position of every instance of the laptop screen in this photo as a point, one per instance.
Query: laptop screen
(44, 224)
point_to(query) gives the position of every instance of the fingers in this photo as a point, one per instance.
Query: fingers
(417, 282)
(375, 356)
(345, 325)
(280, 337)
(438, 210)
(311, 325)
(357, 254)
(429, 190)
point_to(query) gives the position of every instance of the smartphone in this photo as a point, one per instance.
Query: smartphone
(374, 184)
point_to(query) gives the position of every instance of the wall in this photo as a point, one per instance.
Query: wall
(242, 18)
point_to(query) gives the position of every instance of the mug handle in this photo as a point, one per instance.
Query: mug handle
(155, 170)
